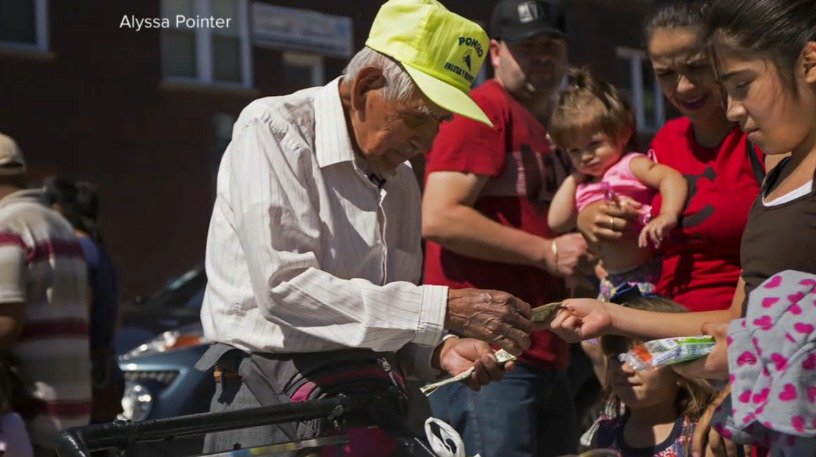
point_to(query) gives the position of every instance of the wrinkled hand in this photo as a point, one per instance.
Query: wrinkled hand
(657, 230)
(715, 364)
(707, 442)
(456, 355)
(609, 220)
(580, 319)
(571, 258)
(490, 315)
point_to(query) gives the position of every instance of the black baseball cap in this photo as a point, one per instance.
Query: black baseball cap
(517, 20)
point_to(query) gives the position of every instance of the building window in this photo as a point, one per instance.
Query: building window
(24, 24)
(637, 81)
(204, 53)
(301, 70)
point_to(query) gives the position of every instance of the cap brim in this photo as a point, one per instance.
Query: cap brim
(447, 96)
(12, 169)
(524, 33)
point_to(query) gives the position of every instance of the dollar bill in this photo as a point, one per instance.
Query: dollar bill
(501, 355)
(546, 312)
(541, 314)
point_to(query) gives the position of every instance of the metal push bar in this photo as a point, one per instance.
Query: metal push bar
(377, 408)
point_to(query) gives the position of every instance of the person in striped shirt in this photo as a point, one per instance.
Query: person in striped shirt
(43, 304)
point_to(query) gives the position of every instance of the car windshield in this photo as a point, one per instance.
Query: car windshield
(185, 291)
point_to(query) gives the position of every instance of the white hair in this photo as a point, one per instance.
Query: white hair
(398, 84)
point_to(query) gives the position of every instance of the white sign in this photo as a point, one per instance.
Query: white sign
(292, 28)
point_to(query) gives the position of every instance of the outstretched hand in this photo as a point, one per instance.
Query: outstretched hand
(490, 315)
(580, 319)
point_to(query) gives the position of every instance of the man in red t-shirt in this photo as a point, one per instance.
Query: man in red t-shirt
(487, 194)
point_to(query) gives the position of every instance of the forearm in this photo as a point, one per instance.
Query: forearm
(673, 190)
(11, 324)
(649, 325)
(356, 312)
(562, 215)
(468, 232)
(9, 332)
(7, 340)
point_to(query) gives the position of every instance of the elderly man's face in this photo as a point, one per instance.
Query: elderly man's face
(390, 132)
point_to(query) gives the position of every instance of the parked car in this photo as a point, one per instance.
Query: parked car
(158, 343)
(177, 304)
(161, 339)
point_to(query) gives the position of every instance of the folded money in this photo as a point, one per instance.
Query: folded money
(501, 355)
(546, 312)
(540, 314)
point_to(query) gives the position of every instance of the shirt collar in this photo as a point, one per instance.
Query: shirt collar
(31, 195)
(332, 142)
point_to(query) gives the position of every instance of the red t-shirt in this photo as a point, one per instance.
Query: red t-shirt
(701, 262)
(525, 174)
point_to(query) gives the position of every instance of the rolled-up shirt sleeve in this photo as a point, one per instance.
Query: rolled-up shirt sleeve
(281, 233)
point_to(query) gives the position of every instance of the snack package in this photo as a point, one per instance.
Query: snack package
(668, 351)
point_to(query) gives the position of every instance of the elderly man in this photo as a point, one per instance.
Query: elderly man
(487, 194)
(314, 243)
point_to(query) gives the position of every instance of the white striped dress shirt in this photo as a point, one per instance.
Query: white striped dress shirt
(304, 252)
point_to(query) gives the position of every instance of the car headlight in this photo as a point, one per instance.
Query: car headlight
(168, 341)
(137, 402)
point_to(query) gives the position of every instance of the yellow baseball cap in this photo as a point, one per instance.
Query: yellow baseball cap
(440, 50)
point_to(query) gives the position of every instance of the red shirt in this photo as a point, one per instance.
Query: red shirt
(525, 174)
(701, 262)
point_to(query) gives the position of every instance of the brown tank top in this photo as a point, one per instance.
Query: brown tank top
(780, 237)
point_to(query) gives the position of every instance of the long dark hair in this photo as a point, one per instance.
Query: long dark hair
(78, 202)
(776, 30)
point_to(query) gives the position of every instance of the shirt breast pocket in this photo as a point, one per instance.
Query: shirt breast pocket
(404, 266)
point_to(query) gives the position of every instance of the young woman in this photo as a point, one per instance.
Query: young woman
(771, 86)
(765, 57)
(700, 266)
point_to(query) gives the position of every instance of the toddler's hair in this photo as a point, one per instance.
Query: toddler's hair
(589, 104)
(695, 395)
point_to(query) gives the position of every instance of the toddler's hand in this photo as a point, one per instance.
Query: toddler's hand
(657, 230)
